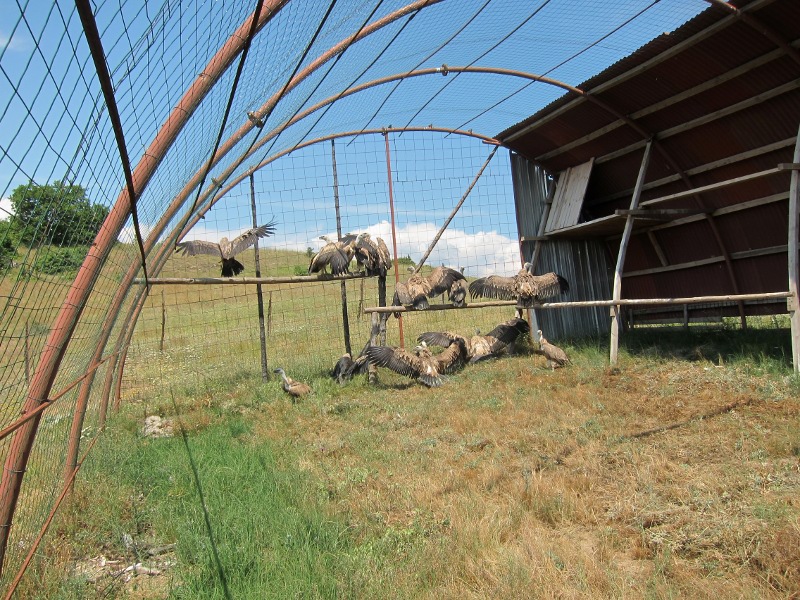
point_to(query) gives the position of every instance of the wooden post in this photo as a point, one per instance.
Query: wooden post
(394, 231)
(269, 315)
(793, 303)
(259, 295)
(623, 247)
(686, 316)
(533, 317)
(163, 322)
(345, 319)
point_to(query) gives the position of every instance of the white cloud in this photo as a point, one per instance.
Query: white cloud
(5, 208)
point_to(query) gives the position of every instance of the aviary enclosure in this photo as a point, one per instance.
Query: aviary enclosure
(131, 127)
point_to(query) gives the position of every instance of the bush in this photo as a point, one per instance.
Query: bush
(8, 250)
(54, 260)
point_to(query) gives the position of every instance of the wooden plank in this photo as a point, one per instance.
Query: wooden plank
(658, 214)
(568, 199)
(623, 247)
(662, 258)
(245, 280)
(793, 239)
(709, 261)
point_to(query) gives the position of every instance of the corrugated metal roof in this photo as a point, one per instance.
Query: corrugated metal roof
(721, 98)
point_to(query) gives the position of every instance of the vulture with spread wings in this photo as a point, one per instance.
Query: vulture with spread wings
(227, 249)
(524, 287)
(336, 254)
(418, 288)
(480, 347)
(422, 364)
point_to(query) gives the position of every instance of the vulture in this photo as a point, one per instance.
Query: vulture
(524, 287)
(421, 365)
(555, 356)
(336, 254)
(373, 255)
(227, 249)
(346, 367)
(296, 389)
(418, 288)
(481, 347)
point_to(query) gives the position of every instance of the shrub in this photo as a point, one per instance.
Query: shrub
(54, 260)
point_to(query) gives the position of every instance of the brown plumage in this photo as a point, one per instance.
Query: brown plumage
(296, 389)
(421, 365)
(373, 255)
(346, 367)
(555, 356)
(524, 287)
(227, 249)
(336, 254)
(481, 347)
(418, 288)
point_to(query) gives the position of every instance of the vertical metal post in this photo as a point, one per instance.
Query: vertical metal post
(261, 333)
(27, 354)
(104, 398)
(623, 248)
(793, 303)
(394, 230)
(343, 285)
(163, 322)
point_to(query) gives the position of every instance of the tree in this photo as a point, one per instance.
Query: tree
(57, 213)
(8, 250)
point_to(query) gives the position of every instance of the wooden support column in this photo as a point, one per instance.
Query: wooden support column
(345, 318)
(394, 230)
(623, 247)
(533, 317)
(262, 334)
(794, 237)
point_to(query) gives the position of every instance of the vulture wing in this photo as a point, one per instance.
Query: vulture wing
(249, 237)
(384, 258)
(194, 247)
(494, 286)
(331, 254)
(453, 356)
(550, 284)
(508, 332)
(441, 279)
(403, 362)
(439, 338)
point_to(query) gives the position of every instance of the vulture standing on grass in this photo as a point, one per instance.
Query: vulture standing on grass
(346, 367)
(418, 288)
(296, 389)
(524, 287)
(336, 254)
(481, 347)
(421, 364)
(227, 249)
(373, 255)
(555, 356)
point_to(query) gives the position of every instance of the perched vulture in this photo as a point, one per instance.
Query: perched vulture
(296, 389)
(226, 249)
(346, 367)
(524, 287)
(481, 347)
(373, 255)
(336, 254)
(421, 364)
(555, 356)
(418, 288)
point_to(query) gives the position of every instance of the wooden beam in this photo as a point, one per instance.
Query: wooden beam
(709, 261)
(534, 238)
(662, 258)
(245, 280)
(712, 186)
(789, 166)
(658, 214)
(623, 247)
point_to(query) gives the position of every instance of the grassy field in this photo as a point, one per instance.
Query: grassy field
(675, 475)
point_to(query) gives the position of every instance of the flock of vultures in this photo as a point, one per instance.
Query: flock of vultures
(421, 363)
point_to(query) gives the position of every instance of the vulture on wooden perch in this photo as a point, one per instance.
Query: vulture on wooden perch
(373, 255)
(227, 249)
(296, 389)
(555, 356)
(418, 288)
(481, 347)
(524, 287)
(421, 365)
(337, 254)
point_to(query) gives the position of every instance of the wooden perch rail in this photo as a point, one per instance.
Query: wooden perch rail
(245, 280)
(588, 303)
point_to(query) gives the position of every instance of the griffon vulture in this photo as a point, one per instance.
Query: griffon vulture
(346, 367)
(555, 356)
(421, 364)
(296, 389)
(227, 249)
(336, 254)
(373, 255)
(481, 347)
(418, 288)
(524, 287)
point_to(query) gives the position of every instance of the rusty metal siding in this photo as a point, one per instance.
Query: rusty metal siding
(584, 263)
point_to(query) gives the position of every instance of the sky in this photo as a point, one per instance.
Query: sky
(49, 98)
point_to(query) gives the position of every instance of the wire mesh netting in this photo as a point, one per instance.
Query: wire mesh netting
(205, 92)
